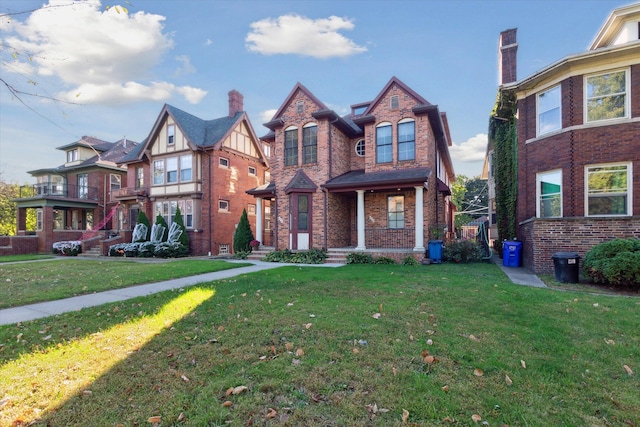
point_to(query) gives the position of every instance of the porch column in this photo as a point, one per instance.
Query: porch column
(419, 220)
(360, 213)
(259, 219)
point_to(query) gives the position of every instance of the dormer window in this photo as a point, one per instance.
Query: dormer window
(171, 134)
(72, 155)
(357, 111)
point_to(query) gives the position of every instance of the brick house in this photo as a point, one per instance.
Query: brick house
(375, 180)
(578, 143)
(74, 200)
(202, 167)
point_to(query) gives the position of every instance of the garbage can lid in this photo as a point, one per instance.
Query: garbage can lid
(565, 255)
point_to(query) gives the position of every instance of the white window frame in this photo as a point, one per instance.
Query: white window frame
(539, 179)
(378, 146)
(627, 95)
(253, 171)
(360, 148)
(72, 155)
(629, 192)
(171, 134)
(186, 165)
(223, 206)
(251, 209)
(551, 93)
(39, 216)
(171, 170)
(223, 162)
(158, 174)
(403, 143)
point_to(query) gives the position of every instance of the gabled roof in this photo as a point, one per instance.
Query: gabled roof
(615, 23)
(394, 81)
(300, 183)
(298, 87)
(89, 142)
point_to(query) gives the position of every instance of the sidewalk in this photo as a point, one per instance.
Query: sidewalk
(519, 275)
(51, 308)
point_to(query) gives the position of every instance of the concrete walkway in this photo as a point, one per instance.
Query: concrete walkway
(51, 308)
(25, 313)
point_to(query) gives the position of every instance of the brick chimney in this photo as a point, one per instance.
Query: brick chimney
(507, 57)
(236, 103)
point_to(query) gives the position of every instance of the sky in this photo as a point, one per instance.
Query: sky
(106, 69)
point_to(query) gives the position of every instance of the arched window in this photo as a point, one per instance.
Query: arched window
(291, 146)
(384, 143)
(406, 139)
(360, 148)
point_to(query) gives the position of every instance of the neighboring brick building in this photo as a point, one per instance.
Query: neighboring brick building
(201, 166)
(375, 180)
(72, 201)
(578, 143)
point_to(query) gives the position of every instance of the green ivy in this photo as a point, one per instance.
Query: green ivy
(503, 137)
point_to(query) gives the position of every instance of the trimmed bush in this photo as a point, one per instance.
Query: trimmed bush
(359, 258)
(312, 256)
(462, 251)
(70, 248)
(616, 263)
(283, 255)
(160, 221)
(142, 219)
(384, 260)
(184, 237)
(243, 234)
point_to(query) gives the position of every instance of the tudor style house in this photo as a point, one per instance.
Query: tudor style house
(578, 143)
(376, 180)
(202, 167)
(74, 200)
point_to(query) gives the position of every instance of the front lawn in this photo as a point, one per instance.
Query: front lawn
(359, 345)
(28, 283)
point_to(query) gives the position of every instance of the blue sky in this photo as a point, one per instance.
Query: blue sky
(117, 68)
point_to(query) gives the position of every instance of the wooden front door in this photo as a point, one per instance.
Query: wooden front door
(300, 222)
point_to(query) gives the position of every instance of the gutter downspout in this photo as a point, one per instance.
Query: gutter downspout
(210, 191)
(326, 192)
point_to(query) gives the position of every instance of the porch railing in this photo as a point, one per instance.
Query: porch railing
(128, 192)
(55, 189)
(388, 238)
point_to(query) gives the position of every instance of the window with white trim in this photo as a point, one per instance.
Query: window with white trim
(608, 190)
(384, 143)
(406, 140)
(172, 170)
(223, 205)
(167, 209)
(72, 155)
(83, 186)
(395, 212)
(549, 194)
(549, 110)
(251, 209)
(171, 134)
(223, 163)
(139, 177)
(252, 171)
(186, 165)
(607, 96)
(291, 146)
(309, 143)
(39, 214)
(158, 172)
(360, 148)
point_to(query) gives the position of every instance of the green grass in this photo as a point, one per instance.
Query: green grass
(175, 354)
(28, 283)
(26, 257)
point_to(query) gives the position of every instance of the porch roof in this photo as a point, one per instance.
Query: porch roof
(264, 190)
(382, 180)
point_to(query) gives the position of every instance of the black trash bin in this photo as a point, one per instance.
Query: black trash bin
(567, 267)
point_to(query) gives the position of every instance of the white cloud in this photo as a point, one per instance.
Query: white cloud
(186, 67)
(95, 50)
(267, 115)
(120, 94)
(294, 34)
(471, 150)
(208, 42)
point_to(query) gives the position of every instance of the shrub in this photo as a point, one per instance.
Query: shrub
(241, 255)
(359, 258)
(184, 237)
(70, 248)
(146, 249)
(243, 234)
(384, 260)
(279, 256)
(312, 256)
(170, 250)
(616, 262)
(142, 219)
(409, 260)
(160, 221)
(462, 251)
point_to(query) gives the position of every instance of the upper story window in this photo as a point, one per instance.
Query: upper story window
(395, 211)
(186, 163)
(252, 171)
(310, 143)
(291, 146)
(549, 194)
(83, 186)
(223, 163)
(406, 140)
(394, 102)
(360, 148)
(171, 134)
(360, 109)
(607, 96)
(139, 177)
(72, 155)
(158, 172)
(172, 170)
(608, 190)
(116, 182)
(267, 176)
(549, 111)
(384, 143)
(223, 205)
(300, 107)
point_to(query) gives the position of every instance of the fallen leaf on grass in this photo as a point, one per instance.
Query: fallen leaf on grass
(478, 372)
(508, 380)
(299, 352)
(429, 342)
(271, 413)
(295, 361)
(289, 346)
(227, 403)
(430, 359)
(355, 351)
(181, 416)
(610, 342)
(523, 364)
(229, 391)
(184, 378)
(476, 418)
(376, 316)
(308, 325)
(628, 369)
(154, 419)
(471, 337)
(239, 389)
(405, 415)
(445, 388)
(395, 371)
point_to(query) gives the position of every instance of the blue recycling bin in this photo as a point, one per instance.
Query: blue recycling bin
(511, 253)
(435, 251)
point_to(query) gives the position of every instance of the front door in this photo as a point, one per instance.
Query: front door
(300, 222)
